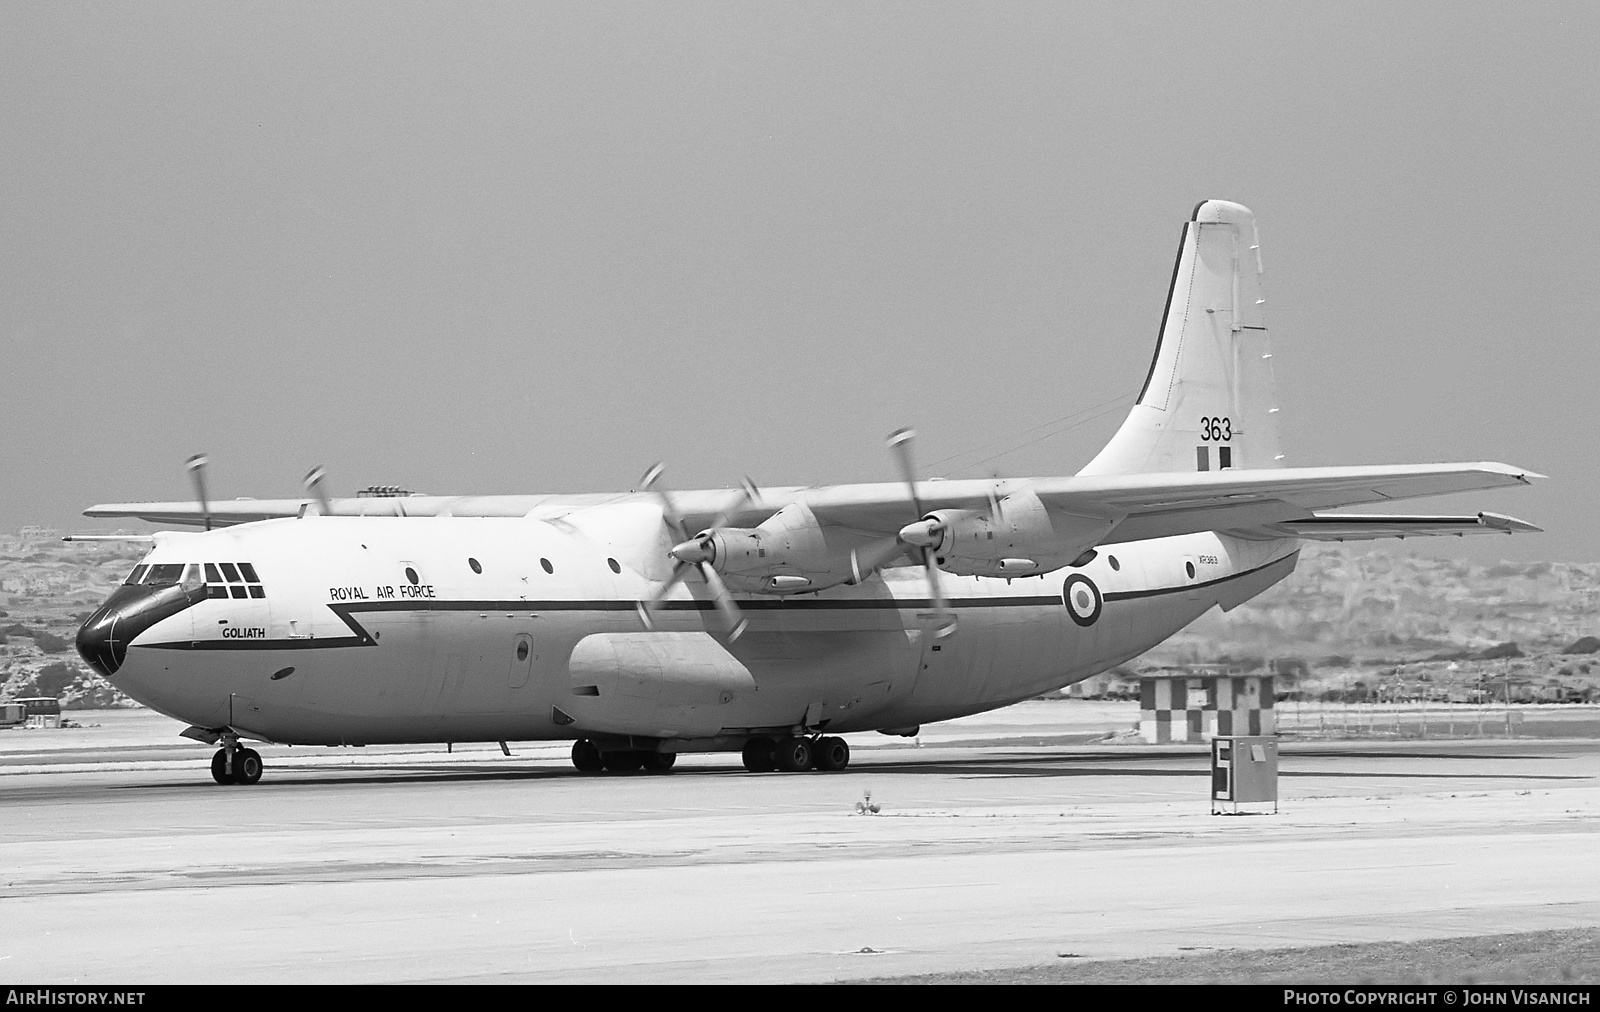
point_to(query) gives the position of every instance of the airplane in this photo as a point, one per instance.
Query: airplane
(645, 624)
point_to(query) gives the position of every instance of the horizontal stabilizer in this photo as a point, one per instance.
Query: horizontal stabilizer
(1370, 526)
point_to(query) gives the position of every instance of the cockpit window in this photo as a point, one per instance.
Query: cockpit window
(135, 576)
(212, 576)
(166, 574)
(249, 572)
(231, 571)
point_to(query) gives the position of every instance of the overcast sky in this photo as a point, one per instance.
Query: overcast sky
(535, 247)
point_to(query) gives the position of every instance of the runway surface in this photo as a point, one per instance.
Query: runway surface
(1001, 840)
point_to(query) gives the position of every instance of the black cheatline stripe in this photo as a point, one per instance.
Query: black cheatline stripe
(364, 639)
(303, 643)
(1130, 595)
(758, 604)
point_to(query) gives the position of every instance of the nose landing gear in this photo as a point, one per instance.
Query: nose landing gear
(235, 765)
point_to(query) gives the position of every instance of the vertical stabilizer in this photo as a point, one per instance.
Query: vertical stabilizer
(1208, 402)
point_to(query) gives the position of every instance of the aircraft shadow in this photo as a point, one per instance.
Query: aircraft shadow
(1031, 766)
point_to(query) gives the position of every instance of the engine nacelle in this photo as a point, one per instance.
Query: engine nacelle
(786, 554)
(1022, 538)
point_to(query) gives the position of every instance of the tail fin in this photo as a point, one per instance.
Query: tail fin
(1208, 402)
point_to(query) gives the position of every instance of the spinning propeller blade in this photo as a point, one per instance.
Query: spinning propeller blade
(314, 479)
(921, 534)
(196, 466)
(695, 553)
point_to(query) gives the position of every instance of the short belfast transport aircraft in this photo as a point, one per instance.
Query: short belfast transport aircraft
(641, 624)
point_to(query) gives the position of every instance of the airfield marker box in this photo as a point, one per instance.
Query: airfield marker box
(1244, 770)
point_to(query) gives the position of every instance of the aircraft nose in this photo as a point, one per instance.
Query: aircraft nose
(104, 637)
(96, 638)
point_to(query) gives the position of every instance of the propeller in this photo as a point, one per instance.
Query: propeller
(314, 479)
(697, 552)
(196, 466)
(923, 533)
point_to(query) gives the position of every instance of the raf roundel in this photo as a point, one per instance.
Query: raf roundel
(1082, 598)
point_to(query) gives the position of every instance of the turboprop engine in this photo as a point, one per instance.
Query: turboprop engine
(792, 553)
(1017, 537)
(786, 554)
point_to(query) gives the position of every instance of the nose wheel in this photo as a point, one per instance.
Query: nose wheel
(243, 766)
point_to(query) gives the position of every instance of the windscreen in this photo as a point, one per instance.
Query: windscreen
(165, 574)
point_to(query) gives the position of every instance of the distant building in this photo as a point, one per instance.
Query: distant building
(37, 711)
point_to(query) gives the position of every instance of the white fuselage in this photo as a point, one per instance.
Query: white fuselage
(372, 630)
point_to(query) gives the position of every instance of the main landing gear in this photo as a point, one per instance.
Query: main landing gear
(795, 754)
(761, 755)
(587, 758)
(235, 765)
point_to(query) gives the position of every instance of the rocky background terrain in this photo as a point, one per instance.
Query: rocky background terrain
(1353, 623)
(47, 589)
(1361, 623)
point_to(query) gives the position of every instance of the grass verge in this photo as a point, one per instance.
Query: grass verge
(1537, 957)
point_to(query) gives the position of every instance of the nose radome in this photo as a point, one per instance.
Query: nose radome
(97, 644)
(104, 638)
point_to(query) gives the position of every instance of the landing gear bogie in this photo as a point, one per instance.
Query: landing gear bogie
(587, 758)
(796, 754)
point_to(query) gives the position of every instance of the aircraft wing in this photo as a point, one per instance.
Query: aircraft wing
(1141, 506)
(1136, 506)
(243, 511)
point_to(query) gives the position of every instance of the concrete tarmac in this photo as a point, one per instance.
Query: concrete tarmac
(1001, 840)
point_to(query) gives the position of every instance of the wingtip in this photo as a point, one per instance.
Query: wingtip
(1510, 525)
(1521, 474)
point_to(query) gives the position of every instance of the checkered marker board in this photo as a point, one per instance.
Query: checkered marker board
(1199, 709)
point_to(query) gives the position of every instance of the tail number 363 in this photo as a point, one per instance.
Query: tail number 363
(1218, 429)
